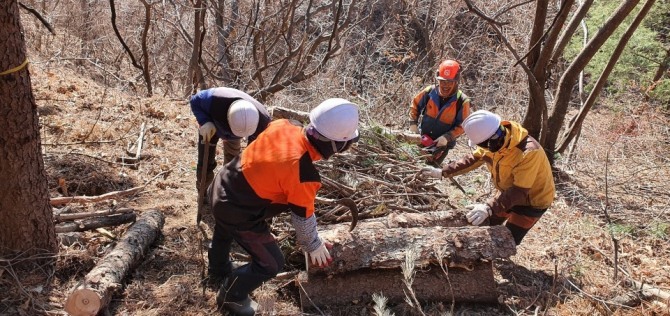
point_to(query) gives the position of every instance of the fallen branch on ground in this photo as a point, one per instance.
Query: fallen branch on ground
(90, 199)
(96, 290)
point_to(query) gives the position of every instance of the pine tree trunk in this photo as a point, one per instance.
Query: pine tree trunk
(25, 212)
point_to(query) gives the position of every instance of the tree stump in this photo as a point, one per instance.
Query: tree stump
(99, 284)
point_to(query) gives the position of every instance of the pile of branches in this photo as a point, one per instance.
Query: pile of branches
(380, 174)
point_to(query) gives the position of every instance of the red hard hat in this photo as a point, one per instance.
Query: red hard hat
(448, 70)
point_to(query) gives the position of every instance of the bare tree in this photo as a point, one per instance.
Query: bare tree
(576, 124)
(25, 212)
(144, 67)
(546, 45)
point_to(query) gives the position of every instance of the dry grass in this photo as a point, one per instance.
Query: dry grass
(564, 266)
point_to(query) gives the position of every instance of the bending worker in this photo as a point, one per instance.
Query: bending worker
(274, 174)
(438, 111)
(519, 169)
(228, 114)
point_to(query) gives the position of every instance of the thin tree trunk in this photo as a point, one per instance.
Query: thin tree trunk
(567, 82)
(574, 128)
(25, 212)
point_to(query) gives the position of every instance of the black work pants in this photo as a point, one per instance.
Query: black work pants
(267, 259)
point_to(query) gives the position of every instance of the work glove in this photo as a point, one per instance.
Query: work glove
(442, 141)
(207, 130)
(413, 128)
(320, 256)
(431, 172)
(478, 213)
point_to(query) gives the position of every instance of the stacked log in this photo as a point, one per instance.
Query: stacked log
(452, 262)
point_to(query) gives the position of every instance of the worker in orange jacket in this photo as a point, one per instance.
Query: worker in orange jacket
(519, 168)
(438, 111)
(274, 174)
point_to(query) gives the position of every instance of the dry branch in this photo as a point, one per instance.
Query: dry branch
(93, 223)
(98, 285)
(72, 216)
(90, 199)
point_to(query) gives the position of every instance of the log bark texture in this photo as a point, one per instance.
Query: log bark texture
(96, 222)
(278, 112)
(386, 248)
(101, 282)
(432, 284)
(450, 218)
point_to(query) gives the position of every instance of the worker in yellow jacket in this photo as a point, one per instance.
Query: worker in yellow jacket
(519, 168)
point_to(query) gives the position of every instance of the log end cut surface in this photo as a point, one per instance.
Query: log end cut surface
(83, 302)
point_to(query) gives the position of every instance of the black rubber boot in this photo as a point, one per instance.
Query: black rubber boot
(245, 307)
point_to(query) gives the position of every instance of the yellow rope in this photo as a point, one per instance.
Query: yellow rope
(15, 69)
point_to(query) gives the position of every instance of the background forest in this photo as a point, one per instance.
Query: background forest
(100, 69)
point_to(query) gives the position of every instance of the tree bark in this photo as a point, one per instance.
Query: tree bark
(107, 276)
(431, 284)
(385, 248)
(563, 94)
(25, 213)
(96, 222)
(408, 220)
(576, 126)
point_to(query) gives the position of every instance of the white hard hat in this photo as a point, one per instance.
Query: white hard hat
(336, 119)
(242, 118)
(480, 126)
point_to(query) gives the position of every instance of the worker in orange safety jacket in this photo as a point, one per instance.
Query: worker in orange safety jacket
(274, 174)
(519, 169)
(438, 110)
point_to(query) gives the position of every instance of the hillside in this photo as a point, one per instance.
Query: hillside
(90, 115)
(564, 266)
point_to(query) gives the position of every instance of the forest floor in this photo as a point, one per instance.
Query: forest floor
(565, 266)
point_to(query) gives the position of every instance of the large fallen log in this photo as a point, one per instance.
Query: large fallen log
(450, 218)
(96, 290)
(385, 248)
(433, 284)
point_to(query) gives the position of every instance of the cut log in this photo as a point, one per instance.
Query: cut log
(477, 285)
(95, 222)
(72, 216)
(278, 112)
(96, 290)
(385, 248)
(451, 218)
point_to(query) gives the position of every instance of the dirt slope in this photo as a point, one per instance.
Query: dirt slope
(564, 267)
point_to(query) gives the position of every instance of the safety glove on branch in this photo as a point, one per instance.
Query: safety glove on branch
(207, 131)
(431, 173)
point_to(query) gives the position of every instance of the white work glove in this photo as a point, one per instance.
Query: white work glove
(478, 213)
(441, 141)
(431, 172)
(207, 130)
(413, 128)
(320, 256)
